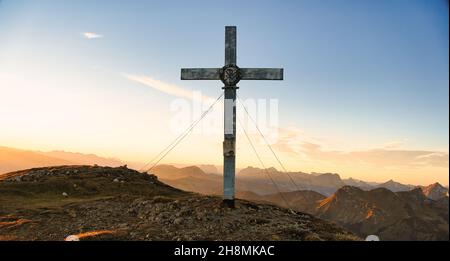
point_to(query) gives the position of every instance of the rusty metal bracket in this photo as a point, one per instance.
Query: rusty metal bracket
(229, 148)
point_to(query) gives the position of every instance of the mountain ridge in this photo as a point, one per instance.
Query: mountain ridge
(13, 159)
(435, 191)
(402, 215)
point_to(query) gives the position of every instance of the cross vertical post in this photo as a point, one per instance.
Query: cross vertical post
(229, 143)
(230, 75)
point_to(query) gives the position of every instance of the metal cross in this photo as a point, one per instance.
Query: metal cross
(230, 75)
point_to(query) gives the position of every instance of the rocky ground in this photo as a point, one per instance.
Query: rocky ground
(102, 203)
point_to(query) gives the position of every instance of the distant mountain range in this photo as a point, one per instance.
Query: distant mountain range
(16, 159)
(257, 180)
(249, 179)
(391, 210)
(395, 186)
(12, 159)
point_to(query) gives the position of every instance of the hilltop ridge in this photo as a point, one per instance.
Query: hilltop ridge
(95, 202)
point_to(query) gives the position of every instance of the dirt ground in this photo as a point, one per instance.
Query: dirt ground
(102, 203)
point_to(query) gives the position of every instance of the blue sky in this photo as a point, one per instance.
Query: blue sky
(362, 73)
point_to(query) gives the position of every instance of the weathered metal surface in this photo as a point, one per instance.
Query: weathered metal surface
(230, 45)
(200, 74)
(230, 75)
(229, 148)
(229, 123)
(261, 74)
(229, 168)
(230, 107)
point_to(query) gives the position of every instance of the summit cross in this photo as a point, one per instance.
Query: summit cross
(230, 75)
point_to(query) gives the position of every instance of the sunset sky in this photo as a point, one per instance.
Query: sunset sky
(365, 94)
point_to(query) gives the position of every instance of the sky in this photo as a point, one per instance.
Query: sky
(365, 91)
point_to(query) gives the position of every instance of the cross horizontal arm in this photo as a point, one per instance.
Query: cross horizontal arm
(200, 74)
(261, 73)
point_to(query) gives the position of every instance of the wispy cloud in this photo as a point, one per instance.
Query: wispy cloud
(294, 142)
(167, 88)
(396, 144)
(91, 35)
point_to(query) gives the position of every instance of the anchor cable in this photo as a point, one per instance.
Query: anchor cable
(180, 137)
(267, 143)
(263, 165)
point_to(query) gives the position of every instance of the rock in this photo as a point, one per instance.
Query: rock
(72, 238)
(72, 214)
(178, 221)
(276, 237)
(65, 194)
(123, 226)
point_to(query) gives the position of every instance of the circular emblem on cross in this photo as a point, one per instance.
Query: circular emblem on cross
(230, 75)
